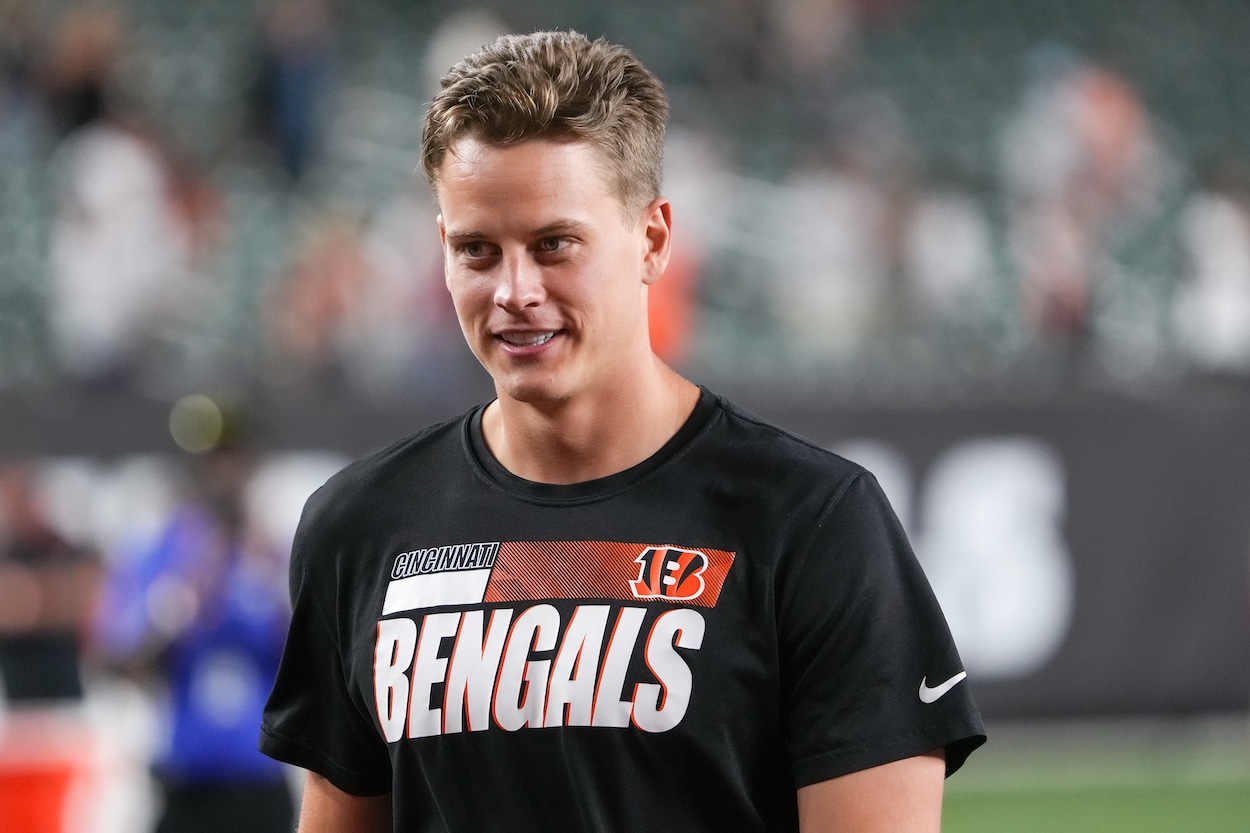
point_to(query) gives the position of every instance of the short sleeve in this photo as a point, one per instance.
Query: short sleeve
(310, 719)
(862, 639)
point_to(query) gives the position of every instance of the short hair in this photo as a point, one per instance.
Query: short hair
(555, 85)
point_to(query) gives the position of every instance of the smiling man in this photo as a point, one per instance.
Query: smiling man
(608, 600)
(548, 268)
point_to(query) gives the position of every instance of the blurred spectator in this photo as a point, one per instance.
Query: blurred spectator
(204, 609)
(734, 47)
(317, 301)
(671, 301)
(197, 206)
(1081, 161)
(831, 265)
(47, 590)
(837, 233)
(20, 114)
(789, 61)
(817, 39)
(816, 47)
(1213, 302)
(133, 220)
(119, 253)
(47, 593)
(80, 67)
(697, 180)
(406, 335)
(363, 304)
(295, 76)
(947, 256)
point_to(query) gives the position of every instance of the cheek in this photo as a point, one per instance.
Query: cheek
(467, 290)
(468, 311)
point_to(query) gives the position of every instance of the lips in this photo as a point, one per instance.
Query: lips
(527, 339)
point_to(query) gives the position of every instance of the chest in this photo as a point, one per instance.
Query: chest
(634, 619)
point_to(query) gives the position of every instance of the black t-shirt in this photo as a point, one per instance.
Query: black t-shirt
(678, 646)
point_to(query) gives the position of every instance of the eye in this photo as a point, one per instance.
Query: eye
(475, 252)
(552, 246)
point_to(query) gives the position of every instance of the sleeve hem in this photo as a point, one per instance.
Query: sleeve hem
(958, 745)
(290, 751)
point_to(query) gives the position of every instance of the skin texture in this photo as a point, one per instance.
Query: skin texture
(549, 276)
(327, 809)
(900, 797)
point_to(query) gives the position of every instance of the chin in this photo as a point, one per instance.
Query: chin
(530, 391)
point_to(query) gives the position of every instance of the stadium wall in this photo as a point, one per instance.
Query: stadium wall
(1092, 550)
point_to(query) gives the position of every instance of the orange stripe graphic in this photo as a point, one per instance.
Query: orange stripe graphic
(539, 570)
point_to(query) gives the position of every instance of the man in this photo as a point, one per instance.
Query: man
(608, 600)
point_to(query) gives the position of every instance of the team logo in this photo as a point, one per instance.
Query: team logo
(669, 573)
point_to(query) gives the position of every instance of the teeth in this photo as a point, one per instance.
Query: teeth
(527, 339)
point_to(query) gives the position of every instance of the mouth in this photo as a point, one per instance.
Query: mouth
(527, 339)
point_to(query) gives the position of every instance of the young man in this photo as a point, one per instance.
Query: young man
(608, 600)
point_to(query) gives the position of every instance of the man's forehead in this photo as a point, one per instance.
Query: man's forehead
(466, 149)
(471, 151)
(476, 170)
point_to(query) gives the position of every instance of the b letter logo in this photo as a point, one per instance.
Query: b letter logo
(669, 573)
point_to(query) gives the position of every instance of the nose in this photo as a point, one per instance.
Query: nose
(520, 284)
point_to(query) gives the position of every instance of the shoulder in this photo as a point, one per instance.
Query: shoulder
(370, 482)
(755, 445)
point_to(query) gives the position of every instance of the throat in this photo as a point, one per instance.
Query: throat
(566, 445)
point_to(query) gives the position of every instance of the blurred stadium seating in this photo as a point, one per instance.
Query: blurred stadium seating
(948, 77)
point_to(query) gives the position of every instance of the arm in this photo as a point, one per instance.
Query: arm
(327, 809)
(900, 797)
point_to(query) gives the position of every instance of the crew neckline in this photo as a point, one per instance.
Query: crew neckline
(588, 490)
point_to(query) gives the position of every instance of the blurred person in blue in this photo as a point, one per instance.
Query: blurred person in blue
(203, 609)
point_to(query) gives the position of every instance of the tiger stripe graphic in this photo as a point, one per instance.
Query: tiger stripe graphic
(540, 570)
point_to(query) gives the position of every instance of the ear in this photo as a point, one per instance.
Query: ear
(657, 227)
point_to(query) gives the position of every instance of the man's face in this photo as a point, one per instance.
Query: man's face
(547, 273)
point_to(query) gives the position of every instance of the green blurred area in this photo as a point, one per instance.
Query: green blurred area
(1159, 776)
(1183, 808)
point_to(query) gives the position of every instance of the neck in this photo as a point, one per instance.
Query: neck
(588, 437)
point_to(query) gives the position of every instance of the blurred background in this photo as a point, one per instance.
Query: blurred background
(999, 253)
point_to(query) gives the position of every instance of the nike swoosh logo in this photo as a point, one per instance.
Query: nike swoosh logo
(932, 695)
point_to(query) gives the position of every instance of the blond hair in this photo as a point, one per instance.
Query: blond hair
(555, 85)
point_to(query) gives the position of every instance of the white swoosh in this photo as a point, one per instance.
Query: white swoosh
(932, 695)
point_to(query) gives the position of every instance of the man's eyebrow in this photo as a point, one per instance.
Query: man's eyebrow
(463, 236)
(574, 227)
